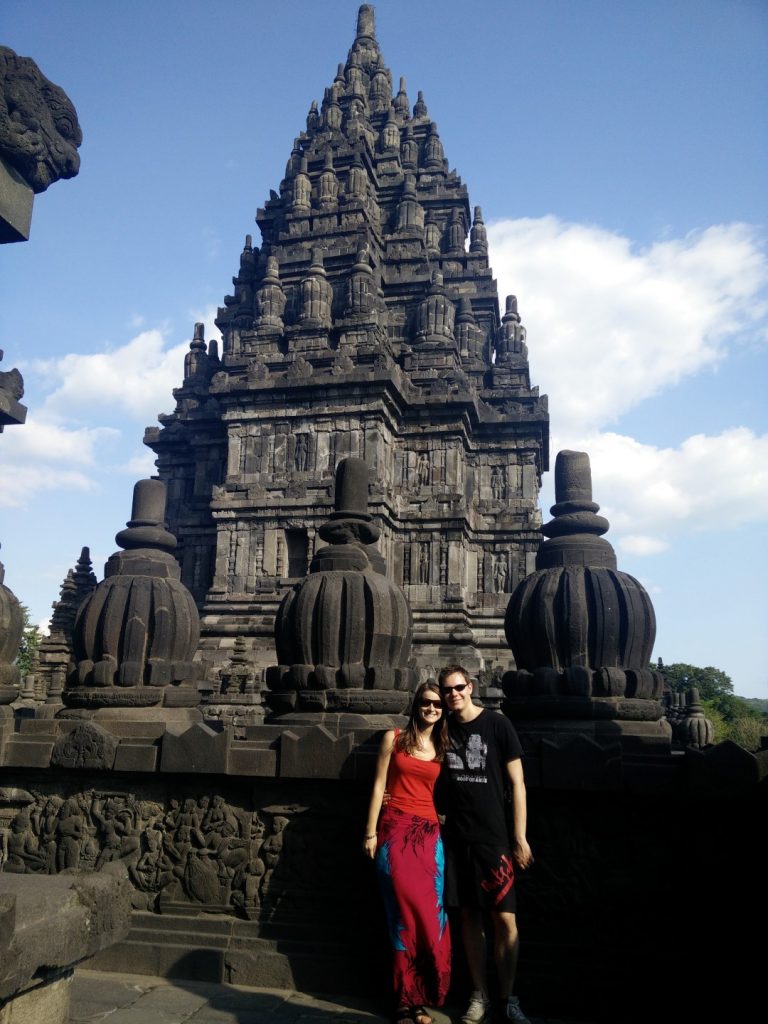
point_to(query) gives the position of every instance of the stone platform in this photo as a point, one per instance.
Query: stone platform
(136, 999)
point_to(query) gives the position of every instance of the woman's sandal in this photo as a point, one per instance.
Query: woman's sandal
(420, 1015)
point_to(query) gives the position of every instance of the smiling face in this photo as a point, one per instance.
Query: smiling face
(456, 692)
(429, 707)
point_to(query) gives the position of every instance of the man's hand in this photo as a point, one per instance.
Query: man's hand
(521, 852)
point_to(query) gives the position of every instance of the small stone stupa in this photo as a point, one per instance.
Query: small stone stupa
(581, 631)
(343, 635)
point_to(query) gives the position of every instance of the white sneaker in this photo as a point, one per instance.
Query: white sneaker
(512, 1011)
(478, 1008)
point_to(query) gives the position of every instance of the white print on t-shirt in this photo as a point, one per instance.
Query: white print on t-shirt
(454, 761)
(477, 751)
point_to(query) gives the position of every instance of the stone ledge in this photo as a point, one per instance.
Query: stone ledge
(90, 911)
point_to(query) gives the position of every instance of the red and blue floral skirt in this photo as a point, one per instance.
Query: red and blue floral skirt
(410, 865)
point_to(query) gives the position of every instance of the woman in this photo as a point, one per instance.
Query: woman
(409, 856)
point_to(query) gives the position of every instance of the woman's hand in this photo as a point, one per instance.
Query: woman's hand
(369, 846)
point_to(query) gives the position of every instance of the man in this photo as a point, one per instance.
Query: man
(481, 766)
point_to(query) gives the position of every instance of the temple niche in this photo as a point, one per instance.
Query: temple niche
(365, 324)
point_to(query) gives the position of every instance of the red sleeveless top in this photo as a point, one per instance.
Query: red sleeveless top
(410, 784)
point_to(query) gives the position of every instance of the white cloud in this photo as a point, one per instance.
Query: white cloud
(639, 544)
(610, 324)
(140, 466)
(29, 481)
(41, 439)
(135, 379)
(649, 494)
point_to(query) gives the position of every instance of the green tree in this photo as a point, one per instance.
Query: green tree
(30, 641)
(710, 682)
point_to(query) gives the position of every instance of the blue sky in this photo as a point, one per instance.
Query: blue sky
(619, 152)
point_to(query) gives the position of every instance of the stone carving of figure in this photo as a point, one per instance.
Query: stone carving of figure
(423, 470)
(23, 855)
(495, 483)
(301, 454)
(70, 833)
(424, 563)
(500, 575)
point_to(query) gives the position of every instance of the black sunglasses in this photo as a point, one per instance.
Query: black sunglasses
(430, 704)
(450, 689)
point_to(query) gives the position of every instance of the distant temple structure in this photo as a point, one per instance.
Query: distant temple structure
(367, 325)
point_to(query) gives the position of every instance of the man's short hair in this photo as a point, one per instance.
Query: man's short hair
(451, 670)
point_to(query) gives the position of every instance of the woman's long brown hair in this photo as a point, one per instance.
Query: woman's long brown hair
(408, 740)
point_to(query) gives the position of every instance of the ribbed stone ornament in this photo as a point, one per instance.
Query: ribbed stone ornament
(137, 633)
(578, 627)
(343, 635)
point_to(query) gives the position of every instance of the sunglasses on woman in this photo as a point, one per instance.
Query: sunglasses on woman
(430, 704)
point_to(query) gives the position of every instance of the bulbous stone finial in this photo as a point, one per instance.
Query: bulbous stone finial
(578, 628)
(434, 155)
(136, 634)
(511, 341)
(196, 360)
(361, 290)
(366, 22)
(343, 635)
(270, 299)
(400, 102)
(313, 118)
(420, 107)
(435, 315)
(316, 295)
(478, 238)
(389, 139)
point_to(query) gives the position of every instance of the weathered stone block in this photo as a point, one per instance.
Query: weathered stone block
(198, 749)
(316, 754)
(136, 756)
(28, 753)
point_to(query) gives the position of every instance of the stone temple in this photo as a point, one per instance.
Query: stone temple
(366, 324)
(353, 482)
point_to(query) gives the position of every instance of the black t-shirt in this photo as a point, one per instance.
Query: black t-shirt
(474, 778)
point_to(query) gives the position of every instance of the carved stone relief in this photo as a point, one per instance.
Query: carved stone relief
(200, 850)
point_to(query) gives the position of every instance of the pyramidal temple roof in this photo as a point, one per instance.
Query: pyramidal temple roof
(370, 253)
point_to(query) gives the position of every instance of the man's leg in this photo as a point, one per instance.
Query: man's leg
(474, 947)
(506, 944)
